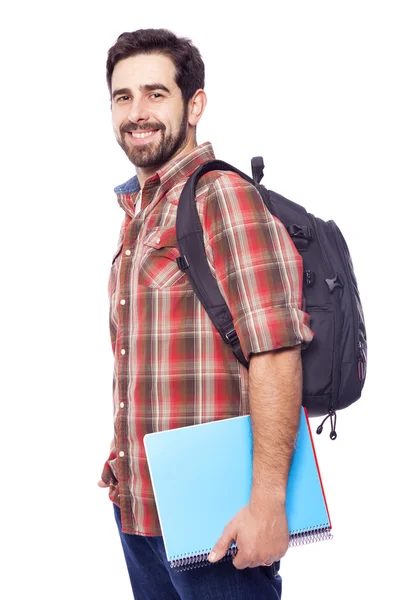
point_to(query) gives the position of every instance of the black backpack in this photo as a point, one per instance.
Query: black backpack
(335, 361)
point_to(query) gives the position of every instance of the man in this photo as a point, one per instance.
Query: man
(171, 367)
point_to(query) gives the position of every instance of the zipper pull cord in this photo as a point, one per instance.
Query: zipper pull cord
(332, 416)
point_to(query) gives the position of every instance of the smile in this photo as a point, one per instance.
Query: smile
(141, 135)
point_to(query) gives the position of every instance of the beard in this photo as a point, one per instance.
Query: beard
(154, 154)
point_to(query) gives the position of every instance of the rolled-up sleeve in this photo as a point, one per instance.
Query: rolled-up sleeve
(257, 267)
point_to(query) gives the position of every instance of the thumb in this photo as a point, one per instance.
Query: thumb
(102, 484)
(223, 544)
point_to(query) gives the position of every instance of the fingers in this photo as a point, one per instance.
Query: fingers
(243, 558)
(242, 562)
(102, 484)
(224, 543)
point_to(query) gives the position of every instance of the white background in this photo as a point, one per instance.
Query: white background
(314, 88)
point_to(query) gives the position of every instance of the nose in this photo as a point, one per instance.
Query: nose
(138, 111)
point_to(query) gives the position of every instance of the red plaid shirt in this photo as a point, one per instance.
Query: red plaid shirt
(172, 368)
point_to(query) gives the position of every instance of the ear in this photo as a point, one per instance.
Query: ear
(197, 105)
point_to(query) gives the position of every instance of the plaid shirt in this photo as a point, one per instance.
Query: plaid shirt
(172, 368)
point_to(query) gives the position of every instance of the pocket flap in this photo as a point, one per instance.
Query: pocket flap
(161, 237)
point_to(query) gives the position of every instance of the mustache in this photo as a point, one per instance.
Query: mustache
(129, 127)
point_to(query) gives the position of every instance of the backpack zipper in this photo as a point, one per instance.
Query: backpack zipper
(361, 357)
(336, 370)
(326, 259)
(361, 361)
(339, 243)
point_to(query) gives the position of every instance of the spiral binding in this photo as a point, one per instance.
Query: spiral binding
(186, 562)
(199, 559)
(300, 538)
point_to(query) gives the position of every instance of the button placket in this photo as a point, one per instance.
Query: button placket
(123, 351)
(122, 309)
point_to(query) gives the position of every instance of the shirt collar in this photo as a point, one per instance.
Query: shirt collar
(171, 173)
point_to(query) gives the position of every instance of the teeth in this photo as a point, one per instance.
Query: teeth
(142, 135)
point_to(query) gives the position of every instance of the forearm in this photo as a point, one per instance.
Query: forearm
(275, 390)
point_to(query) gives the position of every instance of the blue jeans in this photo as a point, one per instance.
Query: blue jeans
(153, 579)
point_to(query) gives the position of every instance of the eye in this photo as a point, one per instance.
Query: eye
(122, 98)
(158, 95)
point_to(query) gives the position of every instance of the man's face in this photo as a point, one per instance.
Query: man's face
(148, 114)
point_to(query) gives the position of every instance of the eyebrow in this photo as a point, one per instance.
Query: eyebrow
(143, 88)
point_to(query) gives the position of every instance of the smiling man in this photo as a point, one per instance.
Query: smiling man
(171, 367)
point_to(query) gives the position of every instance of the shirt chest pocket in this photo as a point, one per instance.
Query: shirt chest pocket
(158, 267)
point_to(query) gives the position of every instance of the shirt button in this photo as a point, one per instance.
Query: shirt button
(122, 301)
(122, 453)
(123, 351)
(158, 240)
(128, 252)
(122, 404)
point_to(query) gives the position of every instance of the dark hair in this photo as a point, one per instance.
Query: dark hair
(188, 63)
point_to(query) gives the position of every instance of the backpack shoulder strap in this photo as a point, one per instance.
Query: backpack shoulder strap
(193, 259)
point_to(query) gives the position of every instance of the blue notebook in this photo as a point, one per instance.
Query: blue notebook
(201, 478)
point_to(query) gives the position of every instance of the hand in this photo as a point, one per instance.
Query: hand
(260, 531)
(101, 482)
